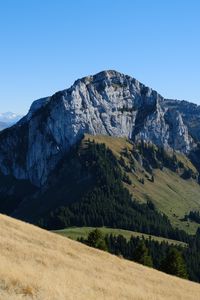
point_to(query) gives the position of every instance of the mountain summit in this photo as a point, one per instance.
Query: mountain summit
(108, 103)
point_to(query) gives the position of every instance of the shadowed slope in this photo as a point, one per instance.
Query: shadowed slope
(36, 264)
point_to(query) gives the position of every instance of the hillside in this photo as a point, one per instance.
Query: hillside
(171, 194)
(87, 189)
(78, 232)
(36, 264)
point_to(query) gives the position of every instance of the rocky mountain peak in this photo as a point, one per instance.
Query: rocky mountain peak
(108, 103)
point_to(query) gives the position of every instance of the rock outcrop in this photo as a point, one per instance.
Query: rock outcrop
(108, 103)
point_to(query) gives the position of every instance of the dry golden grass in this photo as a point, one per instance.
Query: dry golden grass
(37, 264)
(116, 144)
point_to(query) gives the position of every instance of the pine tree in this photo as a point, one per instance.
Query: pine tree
(174, 264)
(141, 254)
(96, 240)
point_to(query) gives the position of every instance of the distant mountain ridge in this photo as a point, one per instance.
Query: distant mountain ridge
(7, 119)
(3, 125)
(10, 117)
(108, 103)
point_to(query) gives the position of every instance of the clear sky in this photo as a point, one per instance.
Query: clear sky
(47, 44)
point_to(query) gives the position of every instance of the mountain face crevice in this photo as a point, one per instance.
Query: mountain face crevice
(108, 103)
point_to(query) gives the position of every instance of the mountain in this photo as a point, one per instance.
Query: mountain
(36, 264)
(7, 119)
(110, 152)
(108, 103)
(49, 172)
(3, 125)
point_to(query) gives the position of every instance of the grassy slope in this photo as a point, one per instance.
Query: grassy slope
(75, 232)
(36, 264)
(171, 194)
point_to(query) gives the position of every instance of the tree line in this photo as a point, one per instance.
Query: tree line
(103, 200)
(178, 260)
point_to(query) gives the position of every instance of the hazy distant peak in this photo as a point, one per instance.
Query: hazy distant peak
(9, 117)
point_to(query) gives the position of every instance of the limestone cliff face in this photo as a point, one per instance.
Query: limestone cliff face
(108, 103)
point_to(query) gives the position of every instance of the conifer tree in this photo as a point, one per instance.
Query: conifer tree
(141, 254)
(174, 264)
(96, 239)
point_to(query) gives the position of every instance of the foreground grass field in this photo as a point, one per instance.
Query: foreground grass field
(37, 264)
(77, 232)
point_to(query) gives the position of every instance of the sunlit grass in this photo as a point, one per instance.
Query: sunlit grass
(37, 264)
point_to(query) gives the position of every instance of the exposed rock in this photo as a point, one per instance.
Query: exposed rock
(108, 103)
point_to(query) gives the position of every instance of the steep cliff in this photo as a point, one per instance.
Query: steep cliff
(108, 103)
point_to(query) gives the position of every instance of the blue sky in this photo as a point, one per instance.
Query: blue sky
(47, 44)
